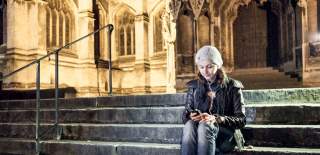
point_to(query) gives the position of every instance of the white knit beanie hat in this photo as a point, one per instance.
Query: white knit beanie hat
(209, 53)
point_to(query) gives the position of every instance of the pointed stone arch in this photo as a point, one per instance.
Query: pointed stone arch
(228, 13)
(247, 43)
(204, 26)
(185, 41)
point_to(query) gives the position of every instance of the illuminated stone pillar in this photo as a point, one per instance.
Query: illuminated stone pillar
(25, 28)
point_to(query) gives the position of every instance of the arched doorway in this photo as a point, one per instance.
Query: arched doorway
(257, 36)
(185, 44)
(193, 31)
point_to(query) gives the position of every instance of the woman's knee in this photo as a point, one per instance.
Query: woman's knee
(207, 130)
(189, 130)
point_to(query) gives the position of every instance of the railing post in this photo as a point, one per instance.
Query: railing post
(37, 108)
(110, 29)
(56, 99)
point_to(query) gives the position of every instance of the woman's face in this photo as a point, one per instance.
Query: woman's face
(207, 69)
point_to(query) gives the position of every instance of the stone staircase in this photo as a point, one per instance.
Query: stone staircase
(265, 78)
(280, 121)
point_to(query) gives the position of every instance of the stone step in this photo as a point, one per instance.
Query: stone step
(257, 135)
(27, 147)
(299, 114)
(69, 147)
(152, 133)
(256, 114)
(282, 135)
(267, 96)
(275, 96)
(169, 115)
(278, 151)
(93, 102)
(11, 94)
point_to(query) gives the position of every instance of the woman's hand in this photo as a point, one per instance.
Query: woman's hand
(205, 117)
(195, 116)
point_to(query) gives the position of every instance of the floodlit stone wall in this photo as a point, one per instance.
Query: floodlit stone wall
(153, 41)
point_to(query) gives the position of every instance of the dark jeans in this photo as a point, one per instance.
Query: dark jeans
(205, 139)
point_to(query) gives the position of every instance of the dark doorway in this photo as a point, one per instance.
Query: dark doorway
(273, 31)
(250, 37)
(298, 24)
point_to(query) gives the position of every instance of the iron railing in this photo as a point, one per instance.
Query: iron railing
(37, 62)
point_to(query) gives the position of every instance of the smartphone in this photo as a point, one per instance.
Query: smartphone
(196, 111)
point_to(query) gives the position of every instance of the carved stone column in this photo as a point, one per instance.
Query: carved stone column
(233, 14)
(87, 72)
(142, 65)
(304, 35)
(86, 25)
(313, 21)
(169, 34)
(196, 6)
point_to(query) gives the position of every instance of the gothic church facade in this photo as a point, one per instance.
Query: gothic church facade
(154, 41)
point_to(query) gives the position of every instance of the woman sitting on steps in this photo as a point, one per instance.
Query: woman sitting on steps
(214, 108)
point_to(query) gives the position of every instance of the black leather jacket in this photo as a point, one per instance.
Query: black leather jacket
(228, 102)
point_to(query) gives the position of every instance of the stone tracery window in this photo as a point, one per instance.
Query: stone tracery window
(58, 25)
(61, 24)
(67, 30)
(158, 38)
(126, 33)
(48, 22)
(122, 40)
(53, 29)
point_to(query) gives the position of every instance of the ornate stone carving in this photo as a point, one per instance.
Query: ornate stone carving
(290, 10)
(196, 6)
(245, 2)
(261, 2)
(17, 1)
(276, 8)
(173, 7)
(302, 3)
(58, 4)
(233, 11)
(169, 17)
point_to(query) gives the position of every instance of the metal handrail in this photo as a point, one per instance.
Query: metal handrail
(56, 52)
